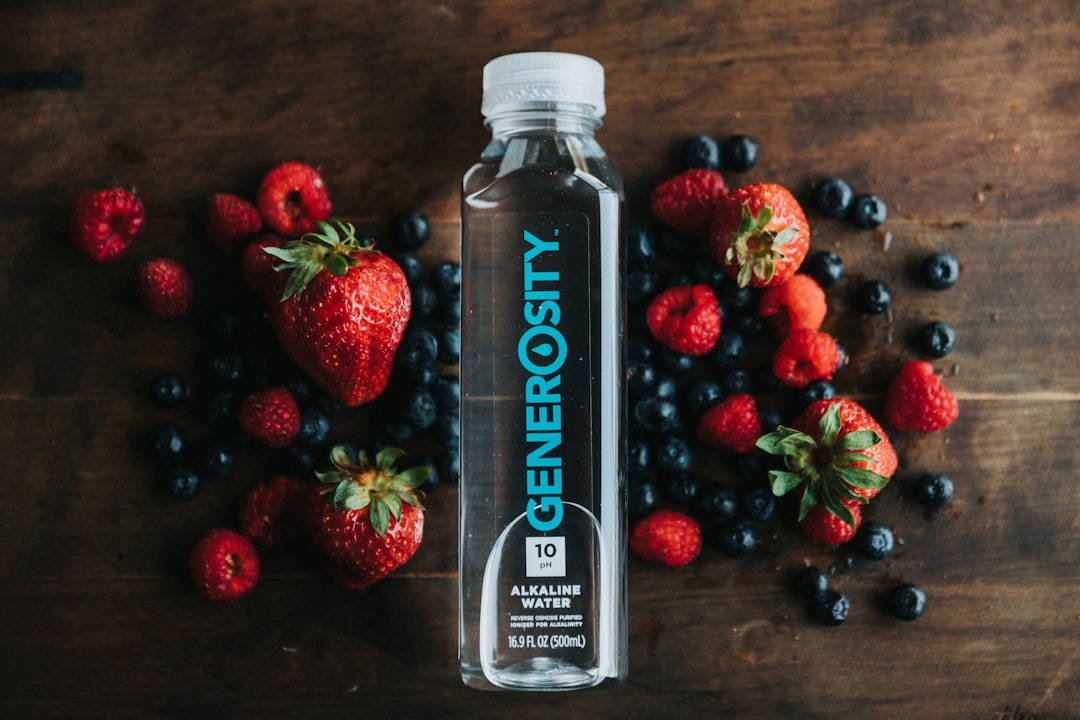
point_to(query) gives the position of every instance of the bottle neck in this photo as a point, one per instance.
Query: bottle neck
(549, 118)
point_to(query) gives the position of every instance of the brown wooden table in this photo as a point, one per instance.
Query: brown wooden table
(963, 115)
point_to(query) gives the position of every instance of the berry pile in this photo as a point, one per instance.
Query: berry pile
(730, 357)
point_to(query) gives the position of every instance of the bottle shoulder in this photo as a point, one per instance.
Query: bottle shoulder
(543, 161)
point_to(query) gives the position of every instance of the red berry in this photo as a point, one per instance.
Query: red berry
(917, 401)
(798, 304)
(270, 416)
(805, 356)
(759, 234)
(256, 265)
(231, 221)
(667, 537)
(164, 287)
(731, 424)
(291, 198)
(685, 319)
(105, 222)
(224, 565)
(686, 201)
(822, 526)
(273, 512)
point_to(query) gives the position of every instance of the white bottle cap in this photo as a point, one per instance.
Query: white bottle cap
(542, 77)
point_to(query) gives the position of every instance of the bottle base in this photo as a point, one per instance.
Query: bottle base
(539, 674)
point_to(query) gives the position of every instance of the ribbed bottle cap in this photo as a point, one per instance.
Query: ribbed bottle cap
(542, 76)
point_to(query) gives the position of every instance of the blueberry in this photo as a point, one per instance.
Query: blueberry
(448, 430)
(739, 153)
(751, 325)
(640, 379)
(418, 349)
(936, 339)
(419, 409)
(643, 496)
(754, 466)
(814, 391)
(221, 409)
(874, 540)
(182, 483)
(826, 268)
(769, 418)
(673, 244)
(728, 351)
(169, 443)
(934, 490)
(449, 346)
(718, 501)
(873, 297)
(709, 273)
(831, 608)
(448, 312)
(833, 197)
(411, 266)
(300, 459)
(640, 347)
(447, 392)
(735, 299)
(813, 583)
(640, 246)
(432, 479)
(314, 427)
(702, 152)
(737, 537)
(939, 271)
(641, 286)
(665, 387)
(449, 467)
(702, 394)
(225, 328)
(673, 456)
(638, 457)
(675, 363)
(682, 489)
(410, 229)
(170, 390)
(398, 432)
(655, 414)
(226, 368)
(907, 602)
(759, 504)
(868, 211)
(446, 279)
(424, 300)
(218, 457)
(735, 382)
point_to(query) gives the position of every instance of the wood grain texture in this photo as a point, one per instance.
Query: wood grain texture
(963, 115)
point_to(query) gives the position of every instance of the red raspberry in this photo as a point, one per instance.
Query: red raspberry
(798, 304)
(270, 416)
(256, 265)
(805, 356)
(105, 222)
(822, 526)
(917, 401)
(291, 198)
(273, 512)
(164, 287)
(731, 424)
(231, 221)
(224, 565)
(667, 537)
(686, 201)
(685, 319)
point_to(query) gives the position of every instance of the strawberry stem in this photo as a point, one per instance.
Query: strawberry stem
(332, 247)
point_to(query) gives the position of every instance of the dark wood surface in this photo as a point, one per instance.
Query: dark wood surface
(963, 115)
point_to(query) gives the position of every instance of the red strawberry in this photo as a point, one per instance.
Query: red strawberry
(836, 452)
(367, 520)
(667, 537)
(918, 402)
(164, 288)
(105, 222)
(224, 565)
(342, 313)
(805, 356)
(822, 526)
(731, 424)
(685, 318)
(798, 304)
(270, 416)
(292, 198)
(273, 512)
(686, 201)
(760, 234)
(257, 265)
(231, 221)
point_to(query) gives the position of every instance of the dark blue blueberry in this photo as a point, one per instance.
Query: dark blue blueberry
(872, 297)
(826, 268)
(674, 363)
(936, 339)
(907, 602)
(432, 480)
(665, 387)
(638, 457)
(221, 409)
(701, 395)
(672, 244)
(831, 608)
(833, 197)
(314, 427)
(170, 390)
(412, 268)
(302, 459)
(736, 537)
(640, 379)
(734, 299)
(682, 489)
(447, 392)
(182, 482)
(709, 273)
(398, 432)
(702, 151)
(448, 312)
(753, 466)
(410, 229)
(673, 456)
(225, 328)
(301, 388)
(751, 325)
(324, 403)
(419, 409)
(934, 490)
(446, 279)
(728, 351)
(679, 278)
(218, 457)
(654, 414)
(874, 540)
(424, 300)
(868, 211)
(718, 501)
(449, 467)
(640, 247)
(735, 382)
(814, 391)
(769, 418)
(643, 496)
(813, 583)
(227, 368)
(448, 430)
(640, 347)
(418, 349)
(759, 504)
(169, 444)
(939, 271)
(449, 346)
(738, 153)
(641, 287)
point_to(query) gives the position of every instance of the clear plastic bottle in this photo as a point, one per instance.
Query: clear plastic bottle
(542, 547)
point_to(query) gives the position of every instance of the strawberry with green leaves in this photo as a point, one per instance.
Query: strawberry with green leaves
(366, 520)
(840, 457)
(759, 234)
(342, 312)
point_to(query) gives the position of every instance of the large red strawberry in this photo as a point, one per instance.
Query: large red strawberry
(342, 311)
(759, 234)
(366, 519)
(837, 453)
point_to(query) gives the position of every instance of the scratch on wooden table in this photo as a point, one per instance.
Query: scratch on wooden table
(1059, 677)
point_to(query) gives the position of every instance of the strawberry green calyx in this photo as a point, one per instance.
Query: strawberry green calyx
(825, 467)
(754, 247)
(356, 485)
(332, 248)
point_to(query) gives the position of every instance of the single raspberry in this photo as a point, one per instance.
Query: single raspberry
(164, 287)
(685, 318)
(731, 424)
(798, 304)
(667, 537)
(805, 356)
(257, 265)
(105, 222)
(273, 512)
(224, 565)
(917, 401)
(291, 198)
(231, 221)
(686, 201)
(825, 527)
(270, 416)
